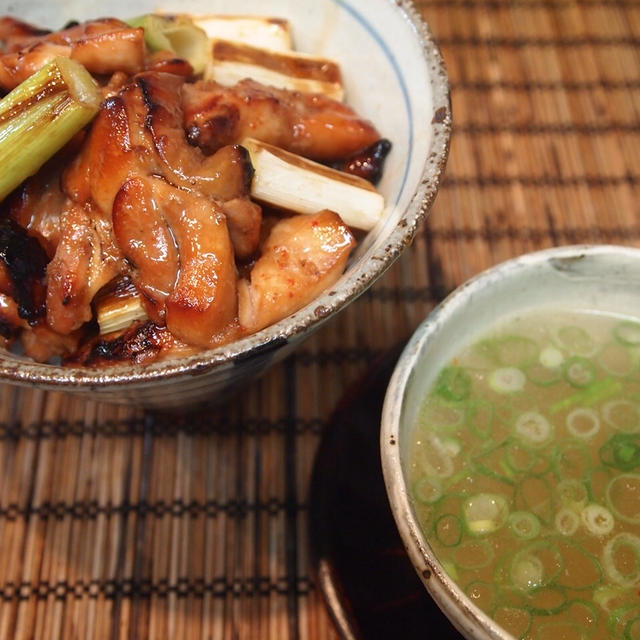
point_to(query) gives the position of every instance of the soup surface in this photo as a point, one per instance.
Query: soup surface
(524, 471)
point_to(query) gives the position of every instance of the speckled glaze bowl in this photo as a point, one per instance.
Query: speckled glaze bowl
(603, 278)
(394, 75)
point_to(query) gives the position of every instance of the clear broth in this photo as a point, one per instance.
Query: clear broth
(524, 471)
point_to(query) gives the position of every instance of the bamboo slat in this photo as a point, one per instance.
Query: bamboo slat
(119, 524)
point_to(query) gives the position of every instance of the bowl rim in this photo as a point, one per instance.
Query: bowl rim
(19, 370)
(467, 617)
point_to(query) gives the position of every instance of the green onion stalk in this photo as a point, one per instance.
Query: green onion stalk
(41, 115)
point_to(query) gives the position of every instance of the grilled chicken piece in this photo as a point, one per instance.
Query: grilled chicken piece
(16, 34)
(42, 344)
(244, 219)
(22, 270)
(108, 157)
(301, 257)
(102, 46)
(311, 125)
(166, 62)
(139, 344)
(146, 240)
(86, 259)
(368, 163)
(225, 175)
(139, 132)
(36, 205)
(192, 283)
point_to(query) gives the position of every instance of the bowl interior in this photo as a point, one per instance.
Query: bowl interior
(570, 278)
(393, 75)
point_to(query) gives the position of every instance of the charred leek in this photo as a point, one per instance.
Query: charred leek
(286, 180)
(41, 115)
(232, 62)
(115, 313)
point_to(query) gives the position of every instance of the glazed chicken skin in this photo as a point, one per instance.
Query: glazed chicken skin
(309, 124)
(138, 134)
(301, 256)
(152, 201)
(103, 46)
(183, 263)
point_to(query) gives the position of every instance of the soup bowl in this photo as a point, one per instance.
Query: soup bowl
(602, 279)
(393, 75)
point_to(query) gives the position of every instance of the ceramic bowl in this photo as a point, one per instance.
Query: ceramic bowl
(393, 75)
(603, 278)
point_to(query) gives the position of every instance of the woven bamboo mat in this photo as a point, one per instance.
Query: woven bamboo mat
(117, 524)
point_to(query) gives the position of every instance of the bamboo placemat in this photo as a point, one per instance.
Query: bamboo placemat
(120, 524)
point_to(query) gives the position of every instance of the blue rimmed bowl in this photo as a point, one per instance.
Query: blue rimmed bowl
(393, 75)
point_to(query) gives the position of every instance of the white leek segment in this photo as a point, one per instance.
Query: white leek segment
(288, 181)
(41, 115)
(232, 62)
(115, 313)
(257, 31)
(177, 34)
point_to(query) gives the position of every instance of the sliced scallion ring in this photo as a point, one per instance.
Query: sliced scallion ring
(527, 572)
(583, 423)
(536, 565)
(507, 380)
(485, 513)
(598, 520)
(575, 340)
(567, 521)
(623, 415)
(453, 384)
(578, 371)
(440, 415)
(434, 457)
(616, 359)
(427, 490)
(572, 493)
(550, 357)
(609, 596)
(616, 546)
(623, 497)
(621, 451)
(448, 530)
(533, 428)
(524, 524)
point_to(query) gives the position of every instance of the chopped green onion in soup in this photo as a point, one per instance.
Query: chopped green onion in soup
(525, 469)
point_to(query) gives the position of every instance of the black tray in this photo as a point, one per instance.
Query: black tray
(369, 584)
